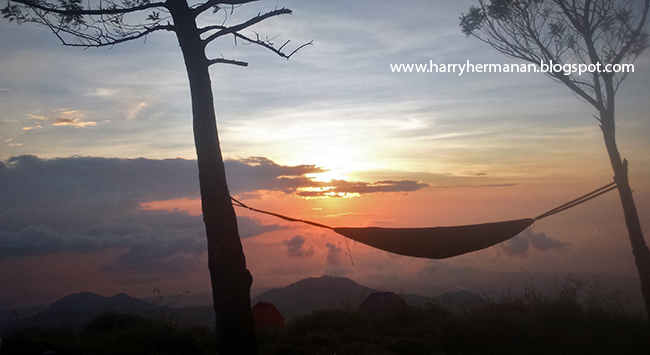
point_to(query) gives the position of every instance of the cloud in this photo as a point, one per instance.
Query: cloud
(252, 227)
(295, 248)
(102, 185)
(335, 266)
(519, 245)
(342, 188)
(82, 204)
(260, 173)
(541, 242)
(134, 110)
(75, 122)
(86, 204)
(79, 191)
(333, 254)
(102, 92)
(35, 117)
(151, 240)
(10, 142)
(32, 127)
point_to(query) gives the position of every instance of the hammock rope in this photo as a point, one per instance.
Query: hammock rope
(286, 218)
(438, 242)
(291, 219)
(582, 199)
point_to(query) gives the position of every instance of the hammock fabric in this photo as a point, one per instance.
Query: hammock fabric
(437, 242)
(440, 242)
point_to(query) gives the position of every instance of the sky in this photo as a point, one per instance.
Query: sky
(99, 183)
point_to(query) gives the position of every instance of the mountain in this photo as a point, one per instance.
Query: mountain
(315, 293)
(75, 310)
(192, 299)
(299, 298)
(88, 301)
(328, 292)
(182, 300)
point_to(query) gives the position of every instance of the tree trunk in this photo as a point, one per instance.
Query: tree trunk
(231, 281)
(639, 247)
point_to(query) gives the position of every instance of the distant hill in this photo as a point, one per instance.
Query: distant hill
(77, 309)
(299, 298)
(88, 301)
(315, 293)
(326, 292)
(182, 300)
(191, 299)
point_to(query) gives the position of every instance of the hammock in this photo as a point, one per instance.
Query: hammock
(440, 242)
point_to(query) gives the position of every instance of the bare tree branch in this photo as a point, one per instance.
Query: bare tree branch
(115, 41)
(565, 32)
(241, 26)
(228, 61)
(107, 24)
(270, 46)
(212, 3)
(101, 11)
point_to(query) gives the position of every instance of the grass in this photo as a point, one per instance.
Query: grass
(505, 327)
(530, 323)
(113, 333)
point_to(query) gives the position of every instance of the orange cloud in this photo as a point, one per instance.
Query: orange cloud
(30, 128)
(75, 122)
(35, 117)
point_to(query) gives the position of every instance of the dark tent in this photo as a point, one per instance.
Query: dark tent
(383, 302)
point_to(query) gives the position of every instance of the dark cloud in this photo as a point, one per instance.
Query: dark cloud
(541, 242)
(252, 227)
(77, 191)
(295, 248)
(335, 266)
(151, 240)
(166, 241)
(258, 173)
(333, 254)
(112, 182)
(86, 204)
(519, 245)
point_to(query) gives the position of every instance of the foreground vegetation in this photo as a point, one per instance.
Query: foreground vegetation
(526, 324)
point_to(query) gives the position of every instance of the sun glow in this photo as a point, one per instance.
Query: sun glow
(329, 175)
(324, 192)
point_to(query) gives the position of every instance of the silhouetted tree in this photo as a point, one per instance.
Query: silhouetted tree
(568, 32)
(97, 23)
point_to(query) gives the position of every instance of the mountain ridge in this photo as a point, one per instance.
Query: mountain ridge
(294, 300)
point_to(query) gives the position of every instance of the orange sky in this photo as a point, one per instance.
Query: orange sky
(458, 149)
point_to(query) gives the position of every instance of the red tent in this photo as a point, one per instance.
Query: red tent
(266, 315)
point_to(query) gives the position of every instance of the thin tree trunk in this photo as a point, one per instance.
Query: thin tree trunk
(231, 281)
(639, 247)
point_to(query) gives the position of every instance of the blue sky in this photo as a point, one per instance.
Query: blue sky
(480, 146)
